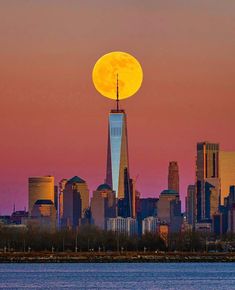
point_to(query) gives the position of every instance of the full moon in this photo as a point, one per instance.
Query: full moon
(123, 65)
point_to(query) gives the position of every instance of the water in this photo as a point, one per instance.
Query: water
(118, 276)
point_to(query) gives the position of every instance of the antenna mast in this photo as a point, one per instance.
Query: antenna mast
(117, 94)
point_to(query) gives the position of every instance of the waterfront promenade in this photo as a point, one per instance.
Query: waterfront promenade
(114, 257)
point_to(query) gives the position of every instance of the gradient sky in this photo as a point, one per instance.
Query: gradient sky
(52, 121)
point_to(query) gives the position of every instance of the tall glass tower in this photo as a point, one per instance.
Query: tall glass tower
(117, 155)
(207, 180)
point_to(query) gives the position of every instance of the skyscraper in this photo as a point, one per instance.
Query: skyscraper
(127, 205)
(227, 172)
(72, 205)
(207, 180)
(103, 205)
(169, 209)
(147, 207)
(173, 176)
(117, 155)
(40, 188)
(62, 184)
(81, 186)
(75, 201)
(190, 203)
(231, 210)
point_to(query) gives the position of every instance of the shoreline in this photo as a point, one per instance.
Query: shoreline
(115, 257)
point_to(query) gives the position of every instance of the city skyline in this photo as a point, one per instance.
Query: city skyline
(205, 165)
(47, 94)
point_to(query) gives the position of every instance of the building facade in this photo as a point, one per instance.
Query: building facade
(62, 184)
(150, 225)
(75, 202)
(103, 205)
(43, 215)
(147, 207)
(127, 204)
(190, 204)
(127, 226)
(231, 219)
(40, 188)
(207, 180)
(169, 209)
(164, 232)
(117, 155)
(227, 172)
(173, 176)
(230, 206)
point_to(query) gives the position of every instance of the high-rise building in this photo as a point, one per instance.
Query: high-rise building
(72, 205)
(227, 172)
(80, 186)
(117, 155)
(231, 197)
(173, 176)
(190, 204)
(103, 205)
(231, 219)
(212, 197)
(40, 188)
(230, 205)
(207, 180)
(55, 201)
(169, 209)
(147, 207)
(62, 184)
(127, 205)
(75, 201)
(217, 223)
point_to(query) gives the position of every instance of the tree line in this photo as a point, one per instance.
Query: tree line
(89, 238)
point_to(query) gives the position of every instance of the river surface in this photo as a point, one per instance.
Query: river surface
(118, 276)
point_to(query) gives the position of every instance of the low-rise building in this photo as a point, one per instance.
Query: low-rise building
(43, 216)
(149, 225)
(127, 226)
(203, 227)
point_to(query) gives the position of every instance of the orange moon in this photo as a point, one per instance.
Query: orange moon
(128, 69)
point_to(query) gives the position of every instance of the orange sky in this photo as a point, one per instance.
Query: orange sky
(52, 121)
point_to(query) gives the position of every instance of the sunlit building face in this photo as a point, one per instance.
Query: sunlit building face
(227, 172)
(117, 155)
(40, 188)
(208, 180)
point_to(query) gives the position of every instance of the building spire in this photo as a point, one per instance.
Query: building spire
(117, 100)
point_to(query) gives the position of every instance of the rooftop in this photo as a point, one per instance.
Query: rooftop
(44, 201)
(169, 191)
(104, 186)
(76, 179)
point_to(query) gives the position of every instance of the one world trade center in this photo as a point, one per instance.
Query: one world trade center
(117, 155)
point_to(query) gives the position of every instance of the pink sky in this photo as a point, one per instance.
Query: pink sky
(52, 121)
